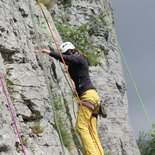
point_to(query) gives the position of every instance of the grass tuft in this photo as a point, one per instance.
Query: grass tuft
(37, 129)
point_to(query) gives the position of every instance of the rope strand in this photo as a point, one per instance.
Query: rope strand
(46, 79)
(128, 69)
(65, 66)
(11, 112)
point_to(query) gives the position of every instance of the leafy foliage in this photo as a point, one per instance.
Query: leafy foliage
(146, 143)
(26, 142)
(79, 36)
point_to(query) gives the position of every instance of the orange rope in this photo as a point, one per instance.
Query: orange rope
(65, 66)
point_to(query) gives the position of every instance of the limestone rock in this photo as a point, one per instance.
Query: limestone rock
(42, 102)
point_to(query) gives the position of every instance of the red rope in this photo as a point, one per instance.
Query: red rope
(11, 112)
(65, 66)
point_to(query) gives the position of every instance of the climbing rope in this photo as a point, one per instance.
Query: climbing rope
(10, 105)
(43, 25)
(65, 66)
(127, 66)
(11, 111)
(46, 77)
(49, 38)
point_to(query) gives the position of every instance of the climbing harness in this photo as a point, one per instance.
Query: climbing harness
(11, 111)
(88, 104)
(65, 66)
(127, 67)
(101, 112)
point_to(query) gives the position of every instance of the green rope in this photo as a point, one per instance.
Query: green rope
(46, 78)
(127, 67)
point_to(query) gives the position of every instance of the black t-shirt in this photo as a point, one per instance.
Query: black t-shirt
(78, 67)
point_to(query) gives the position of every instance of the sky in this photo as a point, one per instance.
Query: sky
(135, 28)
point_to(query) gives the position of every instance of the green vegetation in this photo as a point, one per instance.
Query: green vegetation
(8, 81)
(48, 3)
(65, 2)
(66, 136)
(57, 104)
(80, 37)
(37, 129)
(61, 123)
(26, 142)
(10, 86)
(146, 143)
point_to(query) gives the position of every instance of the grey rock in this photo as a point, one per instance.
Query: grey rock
(115, 131)
(42, 102)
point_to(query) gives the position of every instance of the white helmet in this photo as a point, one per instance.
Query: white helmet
(66, 46)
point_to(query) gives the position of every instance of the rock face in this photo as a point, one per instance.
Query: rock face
(41, 98)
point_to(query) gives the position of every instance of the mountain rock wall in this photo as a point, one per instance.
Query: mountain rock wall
(43, 103)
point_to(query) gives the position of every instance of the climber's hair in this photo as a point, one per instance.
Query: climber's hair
(80, 53)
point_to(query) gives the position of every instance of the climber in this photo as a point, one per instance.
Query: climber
(78, 65)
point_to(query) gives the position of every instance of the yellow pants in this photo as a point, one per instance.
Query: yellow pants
(87, 124)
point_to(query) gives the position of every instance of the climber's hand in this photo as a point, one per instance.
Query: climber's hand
(46, 51)
(51, 48)
(42, 51)
(37, 51)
